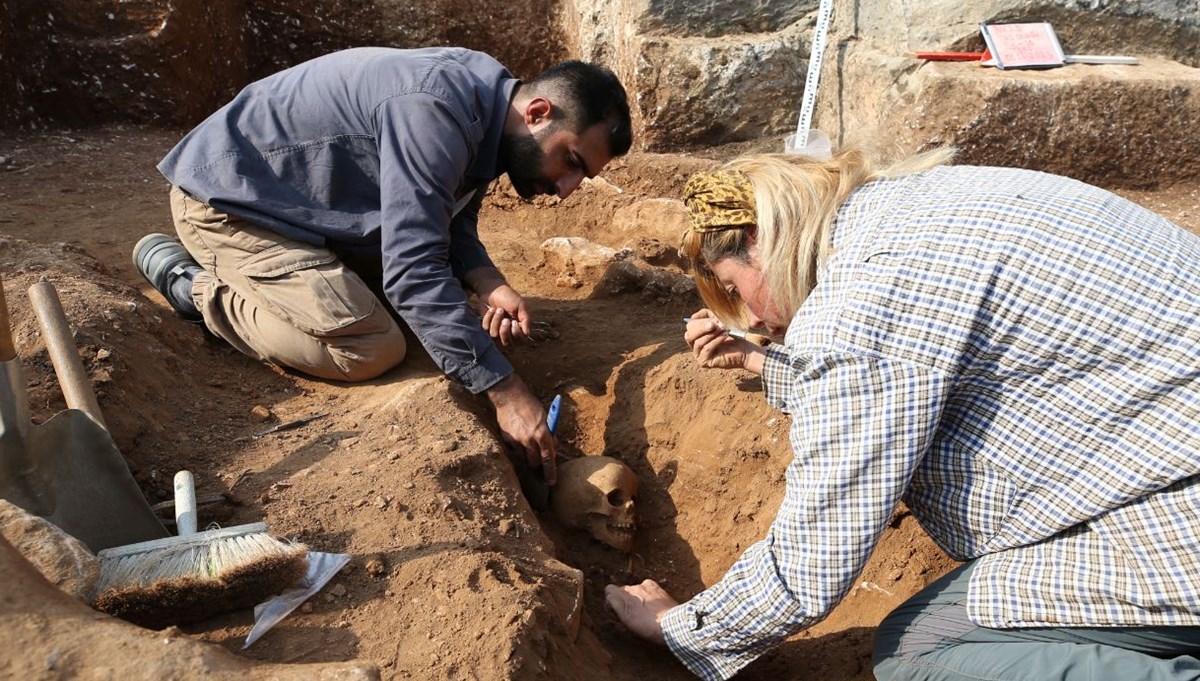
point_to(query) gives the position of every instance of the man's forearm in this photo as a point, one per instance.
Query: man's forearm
(506, 390)
(484, 280)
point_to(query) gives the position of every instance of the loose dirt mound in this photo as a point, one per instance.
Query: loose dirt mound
(453, 575)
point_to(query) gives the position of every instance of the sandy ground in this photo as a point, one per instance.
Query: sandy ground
(454, 574)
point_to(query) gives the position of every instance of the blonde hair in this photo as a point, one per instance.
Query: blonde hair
(795, 201)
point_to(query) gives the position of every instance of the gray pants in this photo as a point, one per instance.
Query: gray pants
(930, 638)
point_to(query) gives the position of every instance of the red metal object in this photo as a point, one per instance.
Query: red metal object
(950, 56)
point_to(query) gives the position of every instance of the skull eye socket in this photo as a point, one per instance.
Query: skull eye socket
(618, 497)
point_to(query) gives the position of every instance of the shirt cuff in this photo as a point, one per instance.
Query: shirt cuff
(680, 627)
(487, 370)
(777, 376)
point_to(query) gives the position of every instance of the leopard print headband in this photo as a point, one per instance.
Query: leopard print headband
(719, 200)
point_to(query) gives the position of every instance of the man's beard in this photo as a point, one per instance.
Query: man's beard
(524, 162)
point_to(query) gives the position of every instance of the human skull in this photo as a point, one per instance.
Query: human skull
(597, 494)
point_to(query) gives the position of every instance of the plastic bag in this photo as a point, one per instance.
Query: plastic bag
(321, 568)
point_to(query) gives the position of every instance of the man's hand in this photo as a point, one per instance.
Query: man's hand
(522, 420)
(505, 316)
(714, 348)
(640, 607)
(505, 325)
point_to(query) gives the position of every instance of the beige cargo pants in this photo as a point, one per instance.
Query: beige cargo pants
(282, 301)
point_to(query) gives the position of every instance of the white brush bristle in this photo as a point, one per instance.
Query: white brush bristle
(192, 557)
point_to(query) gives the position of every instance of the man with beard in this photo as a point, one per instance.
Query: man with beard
(370, 165)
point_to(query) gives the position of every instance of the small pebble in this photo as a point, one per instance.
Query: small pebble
(507, 526)
(376, 567)
(338, 590)
(260, 413)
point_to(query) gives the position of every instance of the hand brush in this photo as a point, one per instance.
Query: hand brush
(195, 575)
(756, 338)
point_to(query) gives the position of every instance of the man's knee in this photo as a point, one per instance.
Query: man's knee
(369, 357)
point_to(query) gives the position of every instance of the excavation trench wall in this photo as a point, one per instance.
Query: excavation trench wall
(698, 74)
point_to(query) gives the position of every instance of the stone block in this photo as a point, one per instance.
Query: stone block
(62, 559)
(1116, 126)
(577, 258)
(714, 18)
(661, 219)
(690, 93)
(1165, 28)
(652, 283)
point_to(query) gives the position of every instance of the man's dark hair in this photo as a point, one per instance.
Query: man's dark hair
(588, 94)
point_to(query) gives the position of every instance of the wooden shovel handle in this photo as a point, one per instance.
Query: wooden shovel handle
(74, 381)
(7, 350)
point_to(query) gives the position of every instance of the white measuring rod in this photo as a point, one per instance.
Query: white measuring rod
(807, 141)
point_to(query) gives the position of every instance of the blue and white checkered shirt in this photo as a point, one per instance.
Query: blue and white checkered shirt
(1014, 355)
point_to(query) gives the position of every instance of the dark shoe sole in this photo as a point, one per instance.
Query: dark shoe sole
(157, 257)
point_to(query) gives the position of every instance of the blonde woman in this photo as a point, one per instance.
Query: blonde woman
(1014, 355)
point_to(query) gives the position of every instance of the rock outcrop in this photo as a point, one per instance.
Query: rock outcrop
(699, 74)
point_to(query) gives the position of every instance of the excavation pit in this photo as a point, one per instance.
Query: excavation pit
(453, 573)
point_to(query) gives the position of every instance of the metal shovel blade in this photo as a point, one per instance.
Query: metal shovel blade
(68, 469)
(15, 425)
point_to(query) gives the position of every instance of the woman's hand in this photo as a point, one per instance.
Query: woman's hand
(714, 348)
(640, 607)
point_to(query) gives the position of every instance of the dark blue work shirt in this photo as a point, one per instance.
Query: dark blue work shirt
(371, 149)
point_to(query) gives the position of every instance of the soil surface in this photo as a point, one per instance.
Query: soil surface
(454, 574)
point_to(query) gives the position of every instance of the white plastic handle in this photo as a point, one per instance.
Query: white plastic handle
(185, 503)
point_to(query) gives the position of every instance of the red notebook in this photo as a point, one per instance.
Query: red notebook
(1014, 46)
